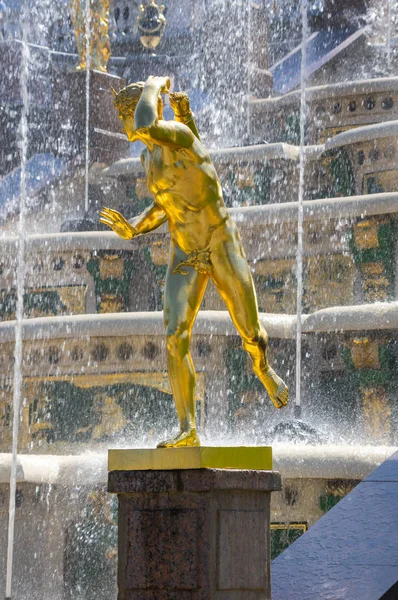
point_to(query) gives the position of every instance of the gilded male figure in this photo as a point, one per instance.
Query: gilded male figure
(205, 242)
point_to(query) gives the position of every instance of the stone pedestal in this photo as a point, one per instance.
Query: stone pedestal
(194, 534)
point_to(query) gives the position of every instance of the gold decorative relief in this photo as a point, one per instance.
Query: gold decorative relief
(111, 303)
(365, 353)
(329, 281)
(377, 413)
(74, 298)
(111, 266)
(160, 253)
(372, 268)
(275, 285)
(366, 234)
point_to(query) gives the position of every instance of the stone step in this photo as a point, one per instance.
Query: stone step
(351, 553)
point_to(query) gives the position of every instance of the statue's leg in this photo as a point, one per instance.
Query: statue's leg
(77, 12)
(182, 298)
(235, 284)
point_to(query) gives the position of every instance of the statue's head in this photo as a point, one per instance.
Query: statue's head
(126, 102)
(127, 99)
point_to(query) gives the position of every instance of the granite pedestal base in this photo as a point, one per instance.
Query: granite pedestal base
(194, 534)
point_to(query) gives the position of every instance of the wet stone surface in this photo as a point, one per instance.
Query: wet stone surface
(351, 552)
(193, 534)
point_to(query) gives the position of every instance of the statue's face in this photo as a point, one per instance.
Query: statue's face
(128, 128)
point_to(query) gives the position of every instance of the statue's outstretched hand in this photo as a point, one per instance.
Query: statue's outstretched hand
(118, 223)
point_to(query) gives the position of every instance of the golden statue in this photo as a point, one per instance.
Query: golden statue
(205, 242)
(99, 44)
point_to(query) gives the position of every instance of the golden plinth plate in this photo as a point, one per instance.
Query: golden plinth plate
(256, 458)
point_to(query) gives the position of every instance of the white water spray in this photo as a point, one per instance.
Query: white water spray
(17, 379)
(88, 61)
(389, 17)
(249, 71)
(299, 267)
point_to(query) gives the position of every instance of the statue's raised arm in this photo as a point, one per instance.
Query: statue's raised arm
(149, 125)
(180, 103)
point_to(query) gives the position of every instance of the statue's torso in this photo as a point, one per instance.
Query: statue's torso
(185, 185)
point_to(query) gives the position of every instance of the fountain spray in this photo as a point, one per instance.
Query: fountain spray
(389, 17)
(299, 264)
(297, 430)
(88, 64)
(17, 380)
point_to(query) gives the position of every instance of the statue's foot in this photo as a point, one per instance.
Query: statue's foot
(276, 387)
(183, 439)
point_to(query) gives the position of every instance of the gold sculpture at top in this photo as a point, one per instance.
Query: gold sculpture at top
(205, 242)
(98, 43)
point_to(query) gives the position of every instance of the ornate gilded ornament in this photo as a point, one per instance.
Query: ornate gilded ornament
(151, 24)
